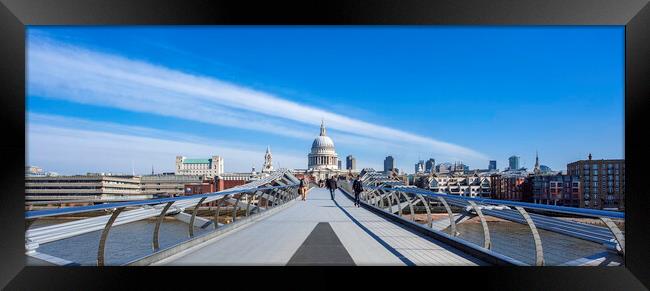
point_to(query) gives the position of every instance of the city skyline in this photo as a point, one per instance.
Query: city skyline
(109, 99)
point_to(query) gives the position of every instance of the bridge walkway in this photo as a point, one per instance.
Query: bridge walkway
(321, 231)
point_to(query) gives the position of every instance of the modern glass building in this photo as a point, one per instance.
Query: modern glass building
(389, 164)
(513, 162)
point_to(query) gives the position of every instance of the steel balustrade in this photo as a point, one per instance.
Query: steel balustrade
(102, 240)
(379, 187)
(284, 190)
(156, 231)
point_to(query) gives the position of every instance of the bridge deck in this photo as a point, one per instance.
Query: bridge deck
(322, 231)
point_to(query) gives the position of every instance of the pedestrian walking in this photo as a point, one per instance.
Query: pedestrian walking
(358, 188)
(331, 185)
(302, 189)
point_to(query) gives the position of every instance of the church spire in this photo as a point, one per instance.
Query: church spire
(537, 168)
(323, 132)
(268, 161)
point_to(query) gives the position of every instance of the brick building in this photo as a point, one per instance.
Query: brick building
(603, 182)
(555, 189)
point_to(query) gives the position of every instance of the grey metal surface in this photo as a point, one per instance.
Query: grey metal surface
(609, 237)
(368, 238)
(487, 243)
(190, 226)
(321, 247)
(102, 240)
(156, 231)
(616, 232)
(539, 251)
(452, 222)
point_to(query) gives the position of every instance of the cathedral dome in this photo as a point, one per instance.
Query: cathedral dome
(323, 154)
(322, 142)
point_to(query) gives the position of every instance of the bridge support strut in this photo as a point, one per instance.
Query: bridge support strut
(486, 231)
(102, 240)
(539, 252)
(156, 230)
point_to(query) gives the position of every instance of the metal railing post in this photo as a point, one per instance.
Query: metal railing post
(399, 205)
(618, 235)
(410, 205)
(102, 240)
(216, 214)
(486, 231)
(196, 210)
(155, 245)
(452, 221)
(426, 207)
(234, 211)
(539, 252)
(250, 199)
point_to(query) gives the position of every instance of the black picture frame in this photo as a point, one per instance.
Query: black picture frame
(16, 14)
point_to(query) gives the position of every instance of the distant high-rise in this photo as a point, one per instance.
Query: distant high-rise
(430, 165)
(513, 162)
(350, 163)
(493, 165)
(389, 164)
(339, 164)
(443, 168)
(419, 166)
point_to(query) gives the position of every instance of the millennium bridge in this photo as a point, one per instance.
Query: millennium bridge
(265, 222)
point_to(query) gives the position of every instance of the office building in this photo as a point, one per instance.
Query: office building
(492, 166)
(603, 182)
(419, 167)
(430, 166)
(389, 164)
(199, 167)
(513, 162)
(167, 184)
(92, 187)
(350, 163)
(444, 168)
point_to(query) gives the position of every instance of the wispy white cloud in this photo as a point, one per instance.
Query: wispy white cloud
(57, 70)
(73, 146)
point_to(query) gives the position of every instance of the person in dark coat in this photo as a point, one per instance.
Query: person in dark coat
(331, 185)
(358, 188)
(302, 188)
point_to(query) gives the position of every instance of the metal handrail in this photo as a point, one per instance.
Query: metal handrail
(284, 190)
(560, 209)
(80, 209)
(382, 188)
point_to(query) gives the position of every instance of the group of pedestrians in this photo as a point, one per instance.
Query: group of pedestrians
(332, 186)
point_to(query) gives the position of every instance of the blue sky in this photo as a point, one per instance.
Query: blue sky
(113, 98)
